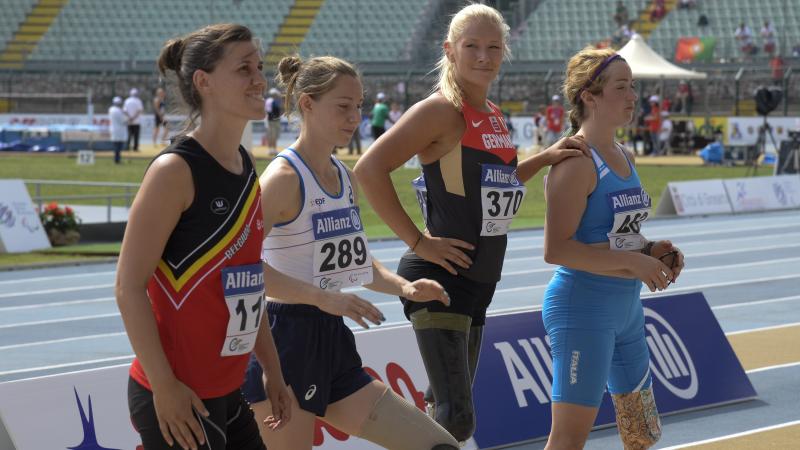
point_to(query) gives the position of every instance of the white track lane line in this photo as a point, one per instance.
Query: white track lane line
(59, 341)
(56, 277)
(735, 435)
(61, 366)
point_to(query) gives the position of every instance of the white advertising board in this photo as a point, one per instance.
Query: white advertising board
(89, 409)
(20, 227)
(764, 193)
(691, 198)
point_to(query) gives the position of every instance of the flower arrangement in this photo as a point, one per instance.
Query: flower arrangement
(60, 224)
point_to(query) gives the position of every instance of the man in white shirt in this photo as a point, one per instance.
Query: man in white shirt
(133, 108)
(664, 134)
(744, 37)
(117, 127)
(768, 35)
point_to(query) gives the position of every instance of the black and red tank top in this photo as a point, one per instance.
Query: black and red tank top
(211, 266)
(472, 192)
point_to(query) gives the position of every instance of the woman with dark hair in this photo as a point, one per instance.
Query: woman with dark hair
(189, 282)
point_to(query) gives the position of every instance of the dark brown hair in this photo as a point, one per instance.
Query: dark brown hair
(199, 50)
(314, 77)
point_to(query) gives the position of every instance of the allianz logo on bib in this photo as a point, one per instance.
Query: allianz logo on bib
(670, 361)
(498, 175)
(338, 222)
(237, 280)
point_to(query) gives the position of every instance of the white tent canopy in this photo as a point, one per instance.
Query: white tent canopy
(646, 64)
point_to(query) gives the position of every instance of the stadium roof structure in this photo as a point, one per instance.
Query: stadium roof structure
(648, 65)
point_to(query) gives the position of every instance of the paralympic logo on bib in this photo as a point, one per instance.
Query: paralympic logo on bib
(670, 361)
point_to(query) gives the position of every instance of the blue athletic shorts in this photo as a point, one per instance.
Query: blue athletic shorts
(596, 329)
(318, 357)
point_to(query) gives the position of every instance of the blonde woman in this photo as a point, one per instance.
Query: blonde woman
(472, 187)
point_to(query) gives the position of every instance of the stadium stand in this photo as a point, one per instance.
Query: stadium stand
(122, 30)
(724, 16)
(559, 28)
(377, 31)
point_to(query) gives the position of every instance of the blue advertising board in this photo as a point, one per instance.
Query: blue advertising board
(691, 362)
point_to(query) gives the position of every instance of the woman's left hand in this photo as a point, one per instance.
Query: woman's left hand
(278, 395)
(425, 290)
(567, 147)
(661, 249)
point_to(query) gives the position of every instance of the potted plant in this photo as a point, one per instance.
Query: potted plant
(61, 224)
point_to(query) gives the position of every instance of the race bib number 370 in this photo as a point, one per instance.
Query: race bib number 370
(341, 256)
(243, 287)
(501, 198)
(631, 207)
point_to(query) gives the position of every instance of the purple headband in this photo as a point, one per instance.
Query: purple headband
(597, 72)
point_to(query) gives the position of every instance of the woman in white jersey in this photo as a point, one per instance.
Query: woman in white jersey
(315, 245)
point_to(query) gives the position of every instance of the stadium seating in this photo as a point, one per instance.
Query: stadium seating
(559, 28)
(123, 30)
(13, 12)
(724, 17)
(364, 30)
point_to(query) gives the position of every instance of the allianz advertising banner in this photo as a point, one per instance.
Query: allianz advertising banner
(691, 361)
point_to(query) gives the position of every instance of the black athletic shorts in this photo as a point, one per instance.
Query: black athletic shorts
(229, 426)
(467, 297)
(318, 356)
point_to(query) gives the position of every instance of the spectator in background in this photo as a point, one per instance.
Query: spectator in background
(274, 110)
(539, 127)
(768, 35)
(355, 142)
(683, 99)
(744, 38)
(687, 4)
(554, 117)
(395, 111)
(664, 134)
(621, 14)
(653, 122)
(379, 116)
(160, 113)
(777, 65)
(117, 127)
(796, 51)
(133, 108)
(659, 10)
(702, 23)
(713, 152)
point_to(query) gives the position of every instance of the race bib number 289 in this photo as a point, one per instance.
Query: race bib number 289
(243, 287)
(341, 255)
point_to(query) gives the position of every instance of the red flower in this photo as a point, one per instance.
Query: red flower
(69, 211)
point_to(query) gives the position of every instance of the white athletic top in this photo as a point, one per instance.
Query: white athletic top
(325, 245)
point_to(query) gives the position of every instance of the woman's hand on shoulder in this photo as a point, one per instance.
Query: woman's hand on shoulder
(567, 147)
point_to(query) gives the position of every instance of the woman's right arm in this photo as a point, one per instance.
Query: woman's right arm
(165, 193)
(568, 186)
(420, 131)
(283, 206)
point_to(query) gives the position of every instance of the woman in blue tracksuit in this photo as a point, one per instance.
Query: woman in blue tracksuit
(592, 311)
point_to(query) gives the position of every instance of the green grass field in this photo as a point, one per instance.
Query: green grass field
(63, 167)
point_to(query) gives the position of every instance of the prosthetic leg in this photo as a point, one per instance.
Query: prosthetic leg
(443, 340)
(637, 419)
(473, 355)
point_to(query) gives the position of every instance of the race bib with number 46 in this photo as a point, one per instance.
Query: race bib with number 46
(501, 198)
(631, 207)
(341, 256)
(243, 287)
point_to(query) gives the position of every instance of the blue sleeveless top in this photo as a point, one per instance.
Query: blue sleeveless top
(615, 209)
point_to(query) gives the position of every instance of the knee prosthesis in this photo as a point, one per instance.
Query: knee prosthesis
(637, 419)
(443, 343)
(396, 424)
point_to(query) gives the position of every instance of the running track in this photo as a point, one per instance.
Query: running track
(748, 266)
